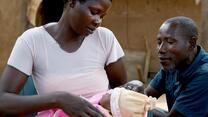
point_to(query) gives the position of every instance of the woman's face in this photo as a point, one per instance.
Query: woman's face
(86, 17)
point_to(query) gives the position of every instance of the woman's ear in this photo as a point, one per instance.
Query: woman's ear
(72, 3)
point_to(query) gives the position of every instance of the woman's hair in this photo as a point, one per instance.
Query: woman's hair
(52, 10)
(81, 1)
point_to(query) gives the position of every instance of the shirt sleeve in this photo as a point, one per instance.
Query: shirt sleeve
(21, 57)
(158, 82)
(112, 47)
(193, 101)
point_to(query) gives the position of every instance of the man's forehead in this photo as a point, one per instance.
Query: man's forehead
(168, 26)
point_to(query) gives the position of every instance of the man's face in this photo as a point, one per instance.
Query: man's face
(173, 46)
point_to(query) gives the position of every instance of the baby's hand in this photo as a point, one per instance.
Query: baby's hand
(105, 101)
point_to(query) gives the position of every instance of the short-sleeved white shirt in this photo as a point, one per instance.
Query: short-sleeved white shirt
(81, 72)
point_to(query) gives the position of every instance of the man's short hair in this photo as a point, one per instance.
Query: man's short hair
(186, 26)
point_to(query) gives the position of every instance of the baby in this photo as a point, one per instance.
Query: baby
(125, 101)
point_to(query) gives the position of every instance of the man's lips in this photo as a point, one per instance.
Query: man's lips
(164, 59)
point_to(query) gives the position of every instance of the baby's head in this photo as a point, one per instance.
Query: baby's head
(135, 85)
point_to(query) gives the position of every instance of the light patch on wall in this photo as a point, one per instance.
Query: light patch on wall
(197, 2)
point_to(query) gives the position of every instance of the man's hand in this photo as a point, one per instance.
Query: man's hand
(77, 107)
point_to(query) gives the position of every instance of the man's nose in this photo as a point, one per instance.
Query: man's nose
(162, 48)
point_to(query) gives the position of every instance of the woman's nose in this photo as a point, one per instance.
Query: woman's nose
(97, 21)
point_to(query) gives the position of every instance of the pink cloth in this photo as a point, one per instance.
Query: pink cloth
(60, 113)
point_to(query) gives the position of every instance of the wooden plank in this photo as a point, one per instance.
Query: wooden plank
(204, 26)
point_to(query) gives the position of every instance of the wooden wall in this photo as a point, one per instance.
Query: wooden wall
(12, 24)
(132, 20)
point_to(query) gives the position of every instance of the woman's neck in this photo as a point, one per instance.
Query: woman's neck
(67, 39)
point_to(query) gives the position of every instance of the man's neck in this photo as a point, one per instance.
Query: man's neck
(183, 65)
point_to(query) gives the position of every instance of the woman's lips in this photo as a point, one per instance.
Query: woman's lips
(90, 30)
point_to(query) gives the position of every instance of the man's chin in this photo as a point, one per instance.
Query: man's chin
(168, 68)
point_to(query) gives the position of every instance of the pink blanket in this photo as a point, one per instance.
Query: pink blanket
(59, 113)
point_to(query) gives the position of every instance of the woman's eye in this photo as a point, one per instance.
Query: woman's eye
(94, 12)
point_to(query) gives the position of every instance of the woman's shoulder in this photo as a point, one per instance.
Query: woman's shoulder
(104, 30)
(32, 31)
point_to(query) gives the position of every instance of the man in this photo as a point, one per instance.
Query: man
(184, 73)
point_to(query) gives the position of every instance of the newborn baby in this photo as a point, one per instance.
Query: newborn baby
(125, 101)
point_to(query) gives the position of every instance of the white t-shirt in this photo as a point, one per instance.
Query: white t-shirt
(81, 72)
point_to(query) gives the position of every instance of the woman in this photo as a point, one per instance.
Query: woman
(71, 58)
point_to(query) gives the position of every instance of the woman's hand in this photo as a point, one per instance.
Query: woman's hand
(77, 107)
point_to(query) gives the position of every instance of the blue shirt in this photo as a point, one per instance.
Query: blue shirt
(187, 91)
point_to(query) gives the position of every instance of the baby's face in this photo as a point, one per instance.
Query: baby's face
(135, 85)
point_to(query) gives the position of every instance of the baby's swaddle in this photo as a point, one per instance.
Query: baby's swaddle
(123, 102)
(127, 103)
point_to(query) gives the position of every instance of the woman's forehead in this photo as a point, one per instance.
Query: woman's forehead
(100, 2)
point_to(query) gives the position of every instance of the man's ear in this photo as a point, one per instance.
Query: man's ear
(192, 41)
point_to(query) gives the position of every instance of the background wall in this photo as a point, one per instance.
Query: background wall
(131, 20)
(12, 24)
(134, 20)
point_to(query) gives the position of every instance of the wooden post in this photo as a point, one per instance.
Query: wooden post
(204, 26)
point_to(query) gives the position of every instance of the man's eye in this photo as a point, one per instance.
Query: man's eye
(170, 41)
(159, 42)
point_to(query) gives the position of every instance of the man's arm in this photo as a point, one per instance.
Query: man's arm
(150, 91)
(158, 113)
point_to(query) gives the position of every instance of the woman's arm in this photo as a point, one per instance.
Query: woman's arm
(11, 82)
(116, 73)
(11, 104)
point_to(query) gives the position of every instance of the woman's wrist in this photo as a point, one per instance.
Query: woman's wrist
(57, 99)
